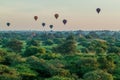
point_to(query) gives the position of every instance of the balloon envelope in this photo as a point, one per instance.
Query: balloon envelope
(51, 26)
(8, 24)
(43, 24)
(56, 16)
(98, 10)
(35, 17)
(64, 21)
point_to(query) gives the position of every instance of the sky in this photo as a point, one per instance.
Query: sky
(80, 14)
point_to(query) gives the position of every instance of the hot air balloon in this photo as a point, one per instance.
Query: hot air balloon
(56, 16)
(51, 26)
(98, 10)
(35, 17)
(43, 24)
(64, 21)
(8, 24)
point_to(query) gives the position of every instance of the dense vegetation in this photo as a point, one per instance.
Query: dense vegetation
(66, 55)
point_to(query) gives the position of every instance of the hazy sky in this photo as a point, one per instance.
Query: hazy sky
(81, 14)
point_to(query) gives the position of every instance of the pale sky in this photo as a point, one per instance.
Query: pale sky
(81, 14)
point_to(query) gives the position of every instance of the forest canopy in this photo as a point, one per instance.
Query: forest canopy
(60, 55)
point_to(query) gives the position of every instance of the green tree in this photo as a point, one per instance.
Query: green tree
(106, 63)
(114, 49)
(84, 50)
(48, 42)
(3, 53)
(69, 47)
(57, 67)
(32, 50)
(13, 59)
(33, 43)
(70, 37)
(98, 75)
(93, 34)
(7, 73)
(60, 78)
(58, 40)
(98, 46)
(116, 73)
(85, 65)
(25, 72)
(40, 66)
(14, 45)
(100, 50)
